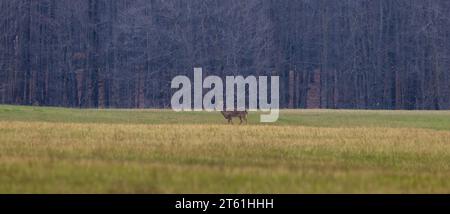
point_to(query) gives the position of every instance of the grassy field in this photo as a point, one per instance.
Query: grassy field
(57, 150)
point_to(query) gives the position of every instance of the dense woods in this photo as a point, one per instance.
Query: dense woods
(374, 54)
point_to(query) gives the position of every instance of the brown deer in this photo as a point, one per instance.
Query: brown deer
(230, 114)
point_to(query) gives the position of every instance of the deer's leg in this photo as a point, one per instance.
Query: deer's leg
(240, 118)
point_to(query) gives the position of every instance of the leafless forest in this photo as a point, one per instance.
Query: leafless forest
(365, 54)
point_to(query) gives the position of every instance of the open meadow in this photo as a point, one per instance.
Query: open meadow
(59, 150)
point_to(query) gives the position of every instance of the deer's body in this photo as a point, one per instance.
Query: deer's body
(230, 114)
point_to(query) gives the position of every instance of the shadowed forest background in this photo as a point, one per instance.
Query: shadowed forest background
(365, 54)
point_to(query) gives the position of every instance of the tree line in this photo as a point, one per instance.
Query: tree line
(364, 54)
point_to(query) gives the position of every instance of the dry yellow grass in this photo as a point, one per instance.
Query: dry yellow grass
(212, 158)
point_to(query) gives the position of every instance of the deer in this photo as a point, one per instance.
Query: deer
(230, 114)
